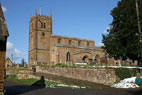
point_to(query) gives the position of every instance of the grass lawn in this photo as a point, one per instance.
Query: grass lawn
(23, 81)
(46, 83)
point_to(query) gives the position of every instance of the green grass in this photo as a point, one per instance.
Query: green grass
(61, 65)
(23, 81)
(16, 68)
(66, 66)
(47, 83)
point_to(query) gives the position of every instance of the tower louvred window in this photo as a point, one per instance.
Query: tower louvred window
(79, 43)
(69, 42)
(59, 41)
(44, 25)
(41, 25)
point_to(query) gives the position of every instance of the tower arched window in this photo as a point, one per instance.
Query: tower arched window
(41, 25)
(43, 34)
(44, 25)
(68, 56)
(87, 44)
(79, 43)
(59, 41)
(69, 42)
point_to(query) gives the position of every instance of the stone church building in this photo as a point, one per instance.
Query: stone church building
(46, 48)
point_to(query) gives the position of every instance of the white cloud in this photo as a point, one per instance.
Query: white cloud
(101, 44)
(4, 9)
(11, 50)
(105, 31)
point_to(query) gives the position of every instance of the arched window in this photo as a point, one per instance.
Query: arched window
(68, 56)
(59, 41)
(85, 58)
(43, 34)
(41, 25)
(97, 58)
(44, 25)
(87, 44)
(79, 43)
(69, 42)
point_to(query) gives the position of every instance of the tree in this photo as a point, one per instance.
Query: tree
(23, 62)
(123, 38)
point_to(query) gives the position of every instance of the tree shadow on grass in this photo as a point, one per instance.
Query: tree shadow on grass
(40, 83)
(13, 88)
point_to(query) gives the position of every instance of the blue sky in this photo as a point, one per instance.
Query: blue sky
(86, 19)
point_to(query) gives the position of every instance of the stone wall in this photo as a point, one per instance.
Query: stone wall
(16, 71)
(22, 73)
(96, 75)
(25, 74)
(12, 72)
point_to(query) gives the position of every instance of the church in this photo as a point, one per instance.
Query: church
(46, 48)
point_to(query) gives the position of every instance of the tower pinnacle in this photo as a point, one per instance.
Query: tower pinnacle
(35, 12)
(51, 14)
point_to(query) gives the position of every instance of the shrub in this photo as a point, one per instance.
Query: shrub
(123, 73)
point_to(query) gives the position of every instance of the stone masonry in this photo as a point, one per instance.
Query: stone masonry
(96, 75)
(3, 40)
(46, 48)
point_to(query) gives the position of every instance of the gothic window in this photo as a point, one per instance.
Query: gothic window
(97, 58)
(59, 41)
(69, 42)
(43, 34)
(79, 43)
(68, 56)
(44, 25)
(41, 25)
(87, 44)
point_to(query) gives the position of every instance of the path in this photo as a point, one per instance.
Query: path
(19, 89)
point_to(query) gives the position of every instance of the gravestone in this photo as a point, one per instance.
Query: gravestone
(3, 39)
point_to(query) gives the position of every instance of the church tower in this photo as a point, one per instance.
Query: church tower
(40, 29)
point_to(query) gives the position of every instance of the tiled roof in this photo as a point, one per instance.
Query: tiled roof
(59, 36)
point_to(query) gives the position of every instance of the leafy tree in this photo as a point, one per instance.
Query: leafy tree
(23, 62)
(123, 39)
